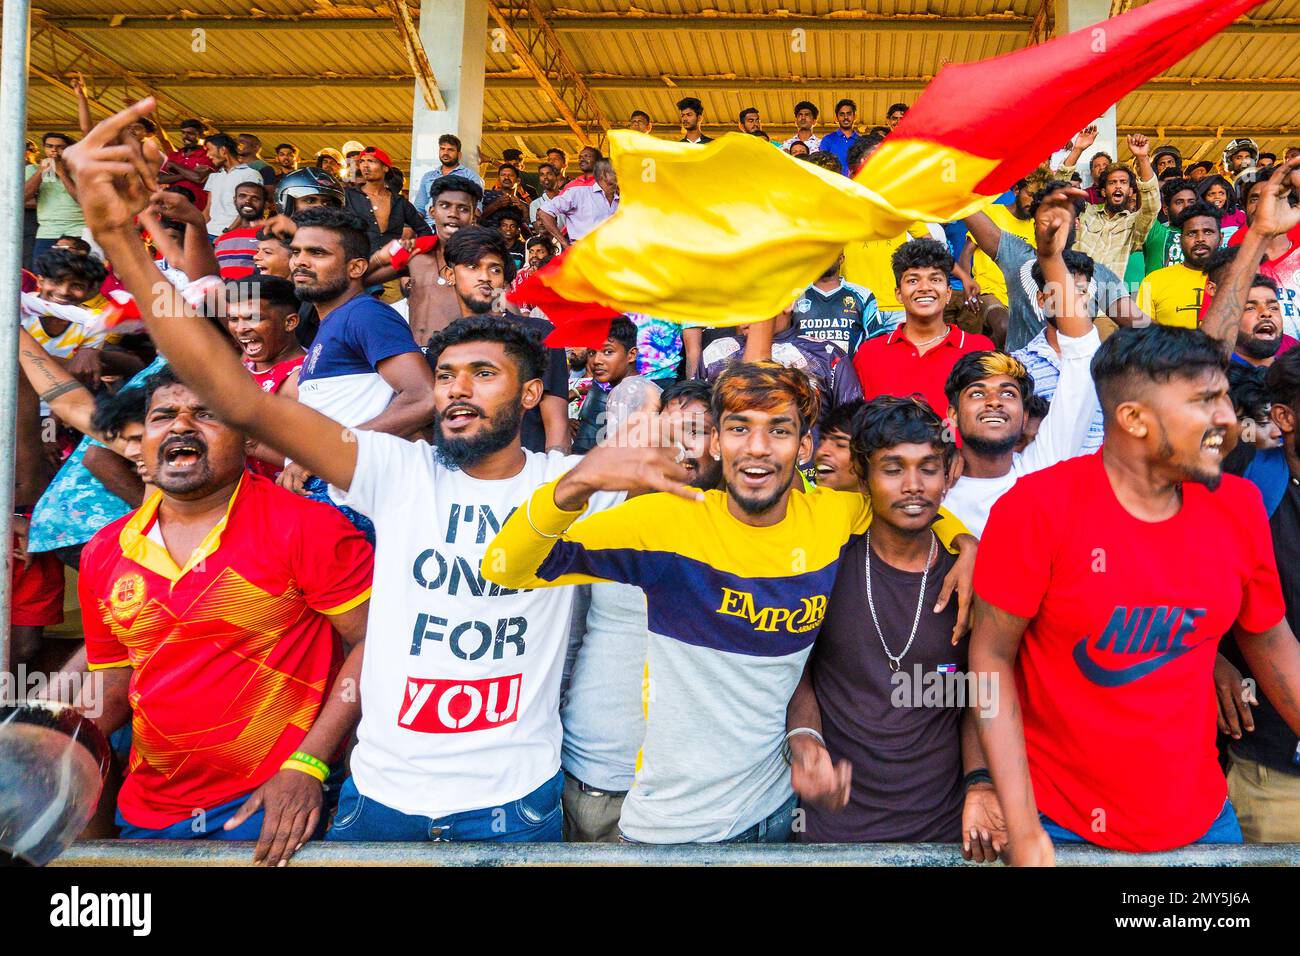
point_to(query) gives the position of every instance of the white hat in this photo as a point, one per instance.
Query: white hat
(352, 146)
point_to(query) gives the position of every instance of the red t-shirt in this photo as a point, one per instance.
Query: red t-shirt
(891, 365)
(1115, 671)
(192, 159)
(231, 655)
(270, 381)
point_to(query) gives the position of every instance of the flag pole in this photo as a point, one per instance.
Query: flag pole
(13, 126)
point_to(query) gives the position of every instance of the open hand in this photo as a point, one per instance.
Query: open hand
(1087, 136)
(636, 470)
(291, 804)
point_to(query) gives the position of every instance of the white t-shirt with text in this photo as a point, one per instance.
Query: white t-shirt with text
(460, 684)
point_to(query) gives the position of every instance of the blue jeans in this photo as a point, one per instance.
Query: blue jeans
(1224, 829)
(776, 828)
(535, 818)
(204, 827)
(318, 490)
(208, 826)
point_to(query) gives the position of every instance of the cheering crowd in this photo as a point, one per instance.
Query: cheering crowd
(990, 537)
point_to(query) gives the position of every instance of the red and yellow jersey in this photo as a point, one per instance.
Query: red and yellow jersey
(232, 654)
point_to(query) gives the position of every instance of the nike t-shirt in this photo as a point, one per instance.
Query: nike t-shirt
(1115, 670)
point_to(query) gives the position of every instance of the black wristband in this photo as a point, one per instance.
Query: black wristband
(976, 776)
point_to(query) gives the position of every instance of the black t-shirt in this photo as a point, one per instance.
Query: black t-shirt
(555, 380)
(1272, 743)
(308, 324)
(907, 768)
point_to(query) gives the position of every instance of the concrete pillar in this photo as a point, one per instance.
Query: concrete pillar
(454, 35)
(1074, 15)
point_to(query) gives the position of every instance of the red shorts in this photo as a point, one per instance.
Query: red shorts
(38, 592)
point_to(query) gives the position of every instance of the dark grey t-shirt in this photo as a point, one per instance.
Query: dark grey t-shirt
(1015, 259)
(907, 769)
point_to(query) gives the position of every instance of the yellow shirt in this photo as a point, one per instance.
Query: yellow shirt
(867, 264)
(1172, 295)
(71, 339)
(987, 273)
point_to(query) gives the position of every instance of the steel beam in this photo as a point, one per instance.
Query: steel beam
(545, 59)
(849, 21)
(596, 83)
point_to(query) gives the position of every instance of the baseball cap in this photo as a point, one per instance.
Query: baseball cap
(378, 154)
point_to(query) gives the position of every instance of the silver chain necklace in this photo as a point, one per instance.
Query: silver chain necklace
(937, 338)
(896, 662)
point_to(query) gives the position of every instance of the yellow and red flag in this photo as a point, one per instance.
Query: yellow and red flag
(733, 231)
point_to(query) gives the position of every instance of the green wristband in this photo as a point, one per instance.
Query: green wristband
(311, 761)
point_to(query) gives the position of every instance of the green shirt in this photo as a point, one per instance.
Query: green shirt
(1162, 248)
(57, 213)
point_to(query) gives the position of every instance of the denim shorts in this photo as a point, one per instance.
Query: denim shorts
(537, 817)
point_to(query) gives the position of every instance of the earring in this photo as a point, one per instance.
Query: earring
(717, 457)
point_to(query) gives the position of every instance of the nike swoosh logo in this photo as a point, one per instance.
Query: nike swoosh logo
(1105, 677)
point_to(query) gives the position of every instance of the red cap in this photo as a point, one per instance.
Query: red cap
(379, 154)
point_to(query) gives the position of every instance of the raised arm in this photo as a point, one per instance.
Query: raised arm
(1148, 191)
(172, 251)
(1087, 136)
(116, 177)
(83, 107)
(197, 258)
(1065, 429)
(1274, 216)
(598, 549)
(1052, 224)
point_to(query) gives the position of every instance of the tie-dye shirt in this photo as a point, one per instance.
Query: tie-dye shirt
(658, 347)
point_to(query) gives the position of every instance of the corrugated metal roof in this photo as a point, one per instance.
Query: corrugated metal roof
(646, 69)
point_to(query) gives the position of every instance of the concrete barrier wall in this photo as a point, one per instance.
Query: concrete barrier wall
(220, 853)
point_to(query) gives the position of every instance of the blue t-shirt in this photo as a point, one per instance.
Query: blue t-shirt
(339, 377)
(76, 504)
(838, 145)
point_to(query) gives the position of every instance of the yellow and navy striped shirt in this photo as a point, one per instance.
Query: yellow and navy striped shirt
(733, 610)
